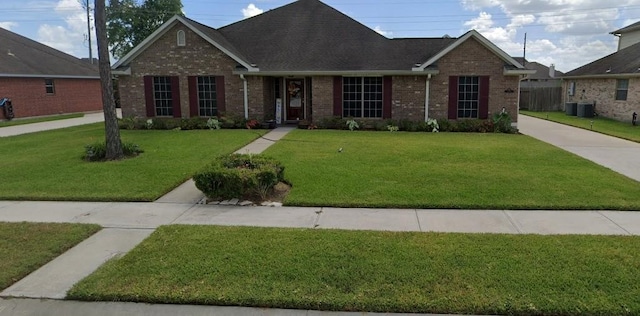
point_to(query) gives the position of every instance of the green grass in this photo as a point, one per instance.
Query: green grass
(600, 124)
(376, 271)
(444, 170)
(39, 119)
(25, 247)
(48, 165)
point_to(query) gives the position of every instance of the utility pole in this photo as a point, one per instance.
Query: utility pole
(87, 6)
(89, 32)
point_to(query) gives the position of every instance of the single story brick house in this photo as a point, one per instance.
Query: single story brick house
(306, 60)
(611, 82)
(41, 80)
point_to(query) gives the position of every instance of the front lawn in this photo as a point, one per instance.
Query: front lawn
(444, 170)
(39, 119)
(375, 271)
(600, 124)
(48, 165)
(25, 247)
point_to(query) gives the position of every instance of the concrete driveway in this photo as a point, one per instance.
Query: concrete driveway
(88, 118)
(617, 154)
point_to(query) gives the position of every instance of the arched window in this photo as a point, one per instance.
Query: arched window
(182, 41)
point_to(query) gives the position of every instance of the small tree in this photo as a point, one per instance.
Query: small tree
(112, 132)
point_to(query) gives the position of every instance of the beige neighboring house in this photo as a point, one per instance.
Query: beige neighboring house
(308, 61)
(612, 83)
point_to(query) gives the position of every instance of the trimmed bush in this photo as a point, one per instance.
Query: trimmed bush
(98, 151)
(237, 176)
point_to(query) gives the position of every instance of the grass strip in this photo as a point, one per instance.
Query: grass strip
(39, 119)
(444, 170)
(600, 124)
(376, 271)
(25, 247)
(48, 165)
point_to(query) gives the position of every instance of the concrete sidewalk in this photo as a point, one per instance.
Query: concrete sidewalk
(127, 224)
(614, 153)
(88, 118)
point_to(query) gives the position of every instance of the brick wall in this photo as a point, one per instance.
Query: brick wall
(29, 97)
(197, 58)
(322, 91)
(472, 59)
(603, 92)
(408, 98)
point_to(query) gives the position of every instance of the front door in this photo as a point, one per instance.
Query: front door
(294, 104)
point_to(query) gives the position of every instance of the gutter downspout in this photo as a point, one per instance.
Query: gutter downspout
(426, 98)
(246, 97)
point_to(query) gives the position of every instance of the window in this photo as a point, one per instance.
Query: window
(162, 97)
(362, 97)
(207, 96)
(49, 86)
(572, 88)
(468, 97)
(622, 87)
(182, 41)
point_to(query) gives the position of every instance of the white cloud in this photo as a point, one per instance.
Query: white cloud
(251, 10)
(8, 25)
(567, 33)
(382, 32)
(71, 37)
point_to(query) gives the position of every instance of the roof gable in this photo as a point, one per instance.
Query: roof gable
(209, 34)
(623, 62)
(484, 41)
(627, 29)
(23, 57)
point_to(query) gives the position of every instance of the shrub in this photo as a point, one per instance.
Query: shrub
(213, 123)
(334, 122)
(98, 151)
(237, 175)
(193, 123)
(502, 123)
(408, 126)
(352, 124)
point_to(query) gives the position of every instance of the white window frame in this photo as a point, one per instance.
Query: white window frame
(181, 38)
(366, 102)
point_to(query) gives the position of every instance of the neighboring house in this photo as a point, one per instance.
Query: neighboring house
(41, 80)
(542, 78)
(628, 35)
(306, 60)
(541, 91)
(612, 82)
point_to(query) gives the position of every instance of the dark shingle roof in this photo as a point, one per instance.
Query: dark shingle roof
(309, 35)
(217, 37)
(624, 61)
(21, 56)
(542, 71)
(629, 28)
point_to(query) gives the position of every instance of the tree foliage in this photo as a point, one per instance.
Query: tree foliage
(129, 22)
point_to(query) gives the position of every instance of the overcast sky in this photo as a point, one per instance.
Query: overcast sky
(567, 33)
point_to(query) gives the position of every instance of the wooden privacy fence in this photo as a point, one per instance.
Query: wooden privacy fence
(541, 99)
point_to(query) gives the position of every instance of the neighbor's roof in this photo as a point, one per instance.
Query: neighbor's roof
(310, 36)
(623, 62)
(626, 29)
(542, 71)
(23, 57)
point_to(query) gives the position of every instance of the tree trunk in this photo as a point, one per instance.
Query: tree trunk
(112, 132)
